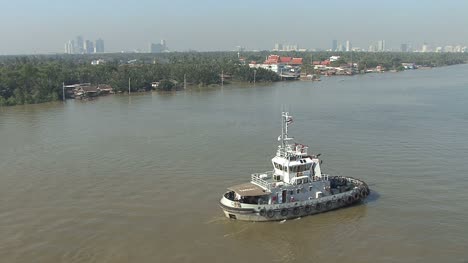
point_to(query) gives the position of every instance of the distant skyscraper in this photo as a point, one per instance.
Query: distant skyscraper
(70, 47)
(99, 46)
(158, 48)
(339, 47)
(155, 48)
(334, 45)
(404, 47)
(79, 48)
(348, 46)
(381, 45)
(278, 47)
(88, 47)
(425, 48)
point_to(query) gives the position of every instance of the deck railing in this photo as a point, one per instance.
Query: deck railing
(258, 180)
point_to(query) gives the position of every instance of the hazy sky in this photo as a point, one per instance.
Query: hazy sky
(40, 26)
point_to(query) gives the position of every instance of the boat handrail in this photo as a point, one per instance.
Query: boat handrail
(325, 177)
(258, 180)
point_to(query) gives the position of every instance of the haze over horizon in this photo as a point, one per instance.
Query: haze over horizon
(29, 26)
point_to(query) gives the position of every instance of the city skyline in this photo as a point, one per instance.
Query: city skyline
(84, 46)
(216, 26)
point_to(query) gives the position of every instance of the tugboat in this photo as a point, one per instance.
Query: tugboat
(296, 186)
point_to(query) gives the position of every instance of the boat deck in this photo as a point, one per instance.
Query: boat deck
(267, 181)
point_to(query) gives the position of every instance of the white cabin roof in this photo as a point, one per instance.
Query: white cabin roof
(284, 161)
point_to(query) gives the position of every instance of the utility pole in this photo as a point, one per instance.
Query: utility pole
(63, 91)
(128, 86)
(222, 78)
(255, 75)
(185, 81)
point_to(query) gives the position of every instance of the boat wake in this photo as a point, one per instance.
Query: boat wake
(237, 232)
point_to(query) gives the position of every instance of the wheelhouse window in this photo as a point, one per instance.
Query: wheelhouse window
(299, 168)
(280, 167)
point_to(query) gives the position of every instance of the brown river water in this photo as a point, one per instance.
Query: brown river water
(139, 178)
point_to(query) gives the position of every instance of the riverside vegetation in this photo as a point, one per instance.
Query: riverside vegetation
(39, 78)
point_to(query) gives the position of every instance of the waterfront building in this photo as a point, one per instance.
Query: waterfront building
(334, 58)
(286, 67)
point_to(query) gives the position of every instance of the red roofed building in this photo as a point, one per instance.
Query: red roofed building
(296, 61)
(286, 67)
(275, 59)
(272, 59)
(285, 60)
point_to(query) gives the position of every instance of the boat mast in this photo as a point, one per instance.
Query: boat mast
(286, 120)
(282, 131)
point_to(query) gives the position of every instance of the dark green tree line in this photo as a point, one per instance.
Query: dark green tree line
(37, 79)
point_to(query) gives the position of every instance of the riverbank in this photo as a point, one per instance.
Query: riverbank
(38, 79)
